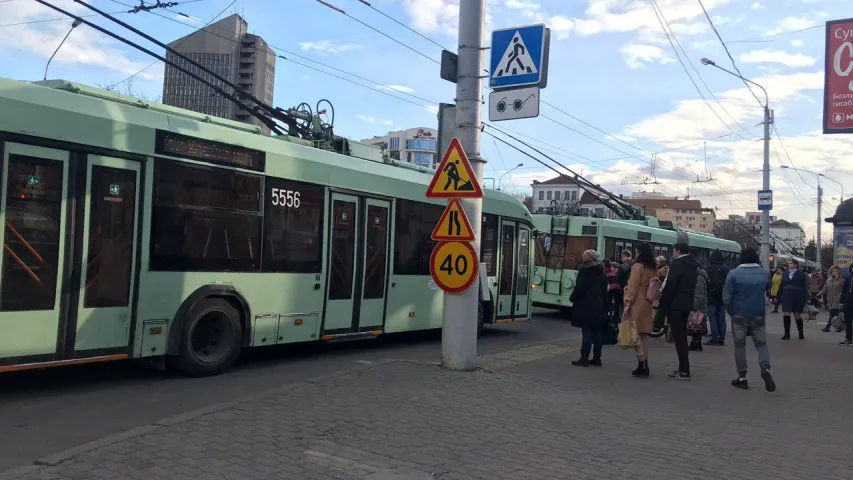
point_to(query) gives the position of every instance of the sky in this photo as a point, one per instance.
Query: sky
(620, 92)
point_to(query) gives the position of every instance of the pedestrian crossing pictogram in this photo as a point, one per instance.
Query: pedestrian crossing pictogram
(516, 59)
(453, 224)
(454, 177)
(519, 57)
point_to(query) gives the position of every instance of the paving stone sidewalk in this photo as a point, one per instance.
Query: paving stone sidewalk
(528, 415)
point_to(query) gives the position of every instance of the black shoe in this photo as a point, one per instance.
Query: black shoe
(786, 337)
(742, 384)
(695, 347)
(712, 343)
(595, 362)
(721, 343)
(581, 362)
(769, 384)
(676, 375)
(801, 336)
(825, 329)
(638, 372)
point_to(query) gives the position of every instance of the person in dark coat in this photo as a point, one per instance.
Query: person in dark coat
(795, 293)
(847, 301)
(676, 302)
(589, 304)
(717, 274)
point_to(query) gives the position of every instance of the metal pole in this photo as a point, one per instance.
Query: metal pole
(765, 215)
(459, 330)
(819, 203)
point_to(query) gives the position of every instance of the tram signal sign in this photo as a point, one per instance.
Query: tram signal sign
(453, 224)
(453, 266)
(113, 189)
(33, 181)
(454, 177)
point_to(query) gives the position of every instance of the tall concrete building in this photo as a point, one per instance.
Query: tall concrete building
(224, 47)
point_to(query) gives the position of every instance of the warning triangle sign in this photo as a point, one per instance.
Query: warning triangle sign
(454, 177)
(453, 224)
(516, 59)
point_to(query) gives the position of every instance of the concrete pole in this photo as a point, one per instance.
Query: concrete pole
(765, 215)
(819, 203)
(459, 328)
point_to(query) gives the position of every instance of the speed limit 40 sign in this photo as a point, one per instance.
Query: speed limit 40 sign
(453, 266)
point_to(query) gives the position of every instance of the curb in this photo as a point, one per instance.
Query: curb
(69, 453)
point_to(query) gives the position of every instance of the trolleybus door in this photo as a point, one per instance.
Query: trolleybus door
(506, 279)
(523, 273)
(33, 211)
(107, 254)
(375, 264)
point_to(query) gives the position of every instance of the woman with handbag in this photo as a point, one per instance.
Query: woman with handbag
(638, 304)
(831, 293)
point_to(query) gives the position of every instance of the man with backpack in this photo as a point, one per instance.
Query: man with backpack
(625, 268)
(717, 273)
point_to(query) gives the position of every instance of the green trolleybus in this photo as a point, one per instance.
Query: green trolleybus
(137, 230)
(562, 240)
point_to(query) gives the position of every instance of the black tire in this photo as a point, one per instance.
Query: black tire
(211, 339)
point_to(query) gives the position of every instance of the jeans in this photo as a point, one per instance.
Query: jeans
(591, 340)
(740, 327)
(678, 324)
(717, 320)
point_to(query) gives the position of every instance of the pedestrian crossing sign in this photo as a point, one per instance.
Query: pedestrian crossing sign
(454, 177)
(519, 56)
(453, 224)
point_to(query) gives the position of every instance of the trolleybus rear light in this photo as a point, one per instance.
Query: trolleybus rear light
(411, 314)
(298, 321)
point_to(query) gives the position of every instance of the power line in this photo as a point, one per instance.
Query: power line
(52, 19)
(779, 36)
(726, 48)
(389, 17)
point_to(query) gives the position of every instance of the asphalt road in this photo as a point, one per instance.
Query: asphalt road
(44, 412)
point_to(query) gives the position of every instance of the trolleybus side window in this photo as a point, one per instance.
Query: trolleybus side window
(376, 242)
(412, 243)
(522, 280)
(507, 244)
(293, 226)
(31, 250)
(343, 250)
(489, 244)
(205, 219)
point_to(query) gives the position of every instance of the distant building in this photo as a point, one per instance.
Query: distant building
(785, 235)
(416, 146)
(685, 213)
(592, 206)
(227, 49)
(755, 217)
(555, 194)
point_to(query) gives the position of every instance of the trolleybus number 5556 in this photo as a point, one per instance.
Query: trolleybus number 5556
(285, 198)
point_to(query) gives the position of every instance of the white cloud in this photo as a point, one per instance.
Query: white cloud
(788, 24)
(434, 15)
(636, 55)
(368, 119)
(326, 47)
(306, 77)
(431, 109)
(396, 88)
(797, 43)
(778, 56)
(522, 5)
(85, 46)
(757, 6)
(561, 26)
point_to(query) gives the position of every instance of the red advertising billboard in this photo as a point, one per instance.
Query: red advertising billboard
(838, 89)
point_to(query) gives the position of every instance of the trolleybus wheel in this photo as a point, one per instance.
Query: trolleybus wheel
(211, 338)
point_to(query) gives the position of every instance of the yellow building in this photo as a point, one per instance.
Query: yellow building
(684, 213)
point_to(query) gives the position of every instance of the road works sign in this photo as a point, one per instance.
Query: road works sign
(518, 56)
(454, 177)
(453, 225)
(453, 266)
(838, 72)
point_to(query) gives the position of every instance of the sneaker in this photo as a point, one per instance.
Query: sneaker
(676, 375)
(595, 362)
(825, 329)
(769, 384)
(712, 343)
(581, 363)
(721, 343)
(743, 384)
(846, 342)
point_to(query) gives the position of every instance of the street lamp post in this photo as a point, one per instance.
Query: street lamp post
(74, 25)
(500, 179)
(768, 121)
(819, 202)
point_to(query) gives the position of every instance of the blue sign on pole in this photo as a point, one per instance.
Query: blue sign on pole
(518, 56)
(765, 199)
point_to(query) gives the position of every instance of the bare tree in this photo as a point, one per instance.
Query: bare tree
(126, 88)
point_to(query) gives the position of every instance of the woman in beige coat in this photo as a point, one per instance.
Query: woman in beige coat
(638, 308)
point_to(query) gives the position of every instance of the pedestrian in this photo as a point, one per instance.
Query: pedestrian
(676, 302)
(743, 295)
(831, 293)
(794, 295)
(589, 305)
(662, 272)
(625, 268)
(717, 273)
(638, 307)
(815, 285)
(700, 306)
(776, 288)
(614, 290)
(847, 300)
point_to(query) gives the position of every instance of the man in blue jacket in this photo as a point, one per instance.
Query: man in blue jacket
(743, 295)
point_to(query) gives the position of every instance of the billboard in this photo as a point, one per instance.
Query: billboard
(843, 254)
(838, 73)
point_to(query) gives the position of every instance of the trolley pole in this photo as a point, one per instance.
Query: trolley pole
(459, 328)
(765, 215)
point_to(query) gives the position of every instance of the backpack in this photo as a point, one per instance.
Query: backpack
(653, 292)
(716, 283)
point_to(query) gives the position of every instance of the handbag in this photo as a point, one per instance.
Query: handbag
(695, 322)
(628, 336)
(653, 292)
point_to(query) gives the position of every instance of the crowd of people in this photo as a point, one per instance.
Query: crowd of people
(679, 294)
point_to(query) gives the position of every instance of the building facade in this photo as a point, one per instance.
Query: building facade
(416, 146)
(755, 217)
(227, 49)
(558, 193)
(785, 236)
(685, 213)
